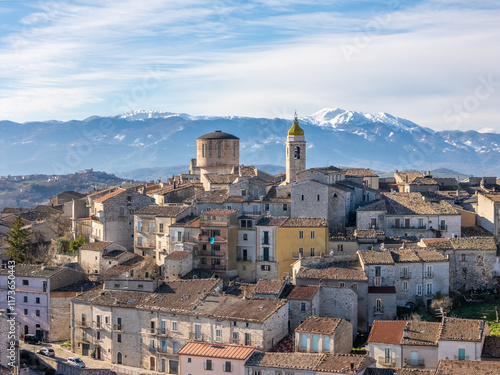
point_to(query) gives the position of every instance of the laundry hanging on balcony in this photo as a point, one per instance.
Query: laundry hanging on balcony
(212, 240)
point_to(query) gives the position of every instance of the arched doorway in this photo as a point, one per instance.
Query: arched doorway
(119, 358)
(152, 361)
(26, 330)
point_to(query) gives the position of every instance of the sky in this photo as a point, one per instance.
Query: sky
(436, 63)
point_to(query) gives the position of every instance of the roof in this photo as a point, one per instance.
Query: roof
(161, 211)
(269, 287)
(423, 181)
(341, 363)
(217, 135)
(417, 255)
(408, 176)
(401, 371)
(421, 333)
(302, 292)
(216, 178)
(438, 243)
(111, 194)
(474, 243)
(495, 197)
(296, 360)
(213, 196)
(370, 257)
(333, 271)
(296, 129)
(447, 367)
(368, 233)
(378, 205)
(304, 222)
(415, 204)
(98, 245)
(387, 331)
(456, 329)
(28, 270)
(359, 172)
(381, 289)
(318, 324)
(205, 349)
(177, 255)
(219, 212)
(491, 347)
(271, 221)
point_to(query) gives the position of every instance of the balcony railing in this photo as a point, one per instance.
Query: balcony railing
(85, 338)
(265, 259)
(461, 358)
(117, 327)
(412, 227)
(217, 239)
(405, 275)
(378, 310)
(240, 258)
(428, 274)
(420, 362)
(218, 266)
(387, 362)
(83, 323)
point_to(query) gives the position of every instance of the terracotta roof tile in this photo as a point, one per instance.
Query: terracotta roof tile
(370, 257)
(111, 194)
(302, 292)
(98, 245)
(216, 178)
(359, 172)
(448, 367)
(474, 243)
(491, 348)
(455, 329)
(177, 255)
(162, 211)
(318, 324)
(298, 361)
(304, 222)
(341, 363)
(271, 221)
(210, 350)
(414, 204)
(421, 333)
(387, 331)
(218, 212)
(269, 287)
(333, 271)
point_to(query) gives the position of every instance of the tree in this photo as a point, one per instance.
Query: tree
(19, 240)
(76, 244)
(443, 305)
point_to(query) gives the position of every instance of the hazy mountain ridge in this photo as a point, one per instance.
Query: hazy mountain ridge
(154, 139)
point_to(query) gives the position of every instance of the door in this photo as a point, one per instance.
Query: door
(85, 349)
(98, 353)
(414, 358)
(245, 254)
(315, 344)
(461, 354)
(152, 363)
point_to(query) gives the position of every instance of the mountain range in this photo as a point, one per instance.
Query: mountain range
(150, 144)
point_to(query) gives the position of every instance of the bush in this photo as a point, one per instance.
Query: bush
(62, 245)
(76, 244)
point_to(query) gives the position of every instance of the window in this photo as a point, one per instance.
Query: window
(228, 366)
(98, 335)
(248, 339)
(119, 323)
(407, 223)
(235, 338)
(419, 289)
(139, 241)
(405, 285)
(106, 319)
(152, 227)
(151, 344)
(139, 226)
(203, 260)
(428, 289)
(26, 282)
(84, 319)
(179, 236)
(312, 251)
(208, 365)
(161, 227)
(197, 331)
(174, 326)
(219, 150)
(174, 347)
(266, 238)
(215, 247)
(373, 223)
(266, 207)
(354, 286)
(25, 299)
(218, 333)
(189, 360)
(463, 258)
(317, 198)
(397, 223)
(342, 284)
(98, 321)
(313, 234)
(428, 271)
(119, 337)
(326, 343)
(464, 273)
(265, 267)
(203, 151)
(243, 192)
(302, 197)
(119, 358)
(302, 306)
(340, 247)
(301, 251)
(245, 237)
(378, 271)
(303, 341)
(443, 225)
(479, 260)
(405, 273)
(378, 305)
(44, 285)
(420, 223)
(25, 311)
(256, 372)
(285, 207)
(301, 234)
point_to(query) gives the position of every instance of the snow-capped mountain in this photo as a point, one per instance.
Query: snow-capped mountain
(154, 139)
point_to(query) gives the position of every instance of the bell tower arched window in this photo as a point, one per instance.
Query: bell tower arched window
(297, 152)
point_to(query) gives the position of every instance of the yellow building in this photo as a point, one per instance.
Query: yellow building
(299, 237)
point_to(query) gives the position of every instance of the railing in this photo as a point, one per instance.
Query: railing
(162, 350)
(117, 327)
(461, 357)
(162, 332)
(152, 349)
(218, 266)
(217, 239)
(83, 323)
(405, 275)
(428, 274)
(420, 362)
(298, 255)
(240, 258)
(265, 259)
(414, 227)
(85, 338)
(387, 362)
(378, 310)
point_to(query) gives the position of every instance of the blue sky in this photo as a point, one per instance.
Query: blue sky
(436, 63)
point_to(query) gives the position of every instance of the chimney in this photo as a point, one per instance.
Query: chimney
(403, 246)
(199, 296)
(244, 294)
(352, 366)
(405, 332)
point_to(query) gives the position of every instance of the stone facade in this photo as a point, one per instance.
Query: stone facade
(295, 156)
(93, 257)
(488, 213)
(317, 335)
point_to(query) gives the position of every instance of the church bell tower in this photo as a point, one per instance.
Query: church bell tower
(295, 151)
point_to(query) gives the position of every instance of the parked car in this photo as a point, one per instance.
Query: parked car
(75, 361)
(49, 352)
(32, 339)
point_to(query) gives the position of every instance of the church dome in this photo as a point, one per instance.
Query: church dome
(217, 135)
(296, 129)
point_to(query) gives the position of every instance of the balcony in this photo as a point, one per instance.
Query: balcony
(162, 332)
(405, 275)
(82, 324)
(83, 338)
(221, 267)
(386, 362)
(378, 311)
(162, 350)
(428, 274)
(118, 327)
(461, 358)
(410, 227)
(265, 259)
(413, 363)
(206, 239)
(241, 258)
(152, 349)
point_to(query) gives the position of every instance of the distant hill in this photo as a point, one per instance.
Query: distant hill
(126, 144)
(28, 191)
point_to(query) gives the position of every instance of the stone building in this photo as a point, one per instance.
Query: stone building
(324, 335)
(151, 229)
(97, 257)
(488, 212)
(34, 285)
(410, 214)
(367, 176)
(246, 257)
(112, 216)
(143, 324)
(266, 236)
